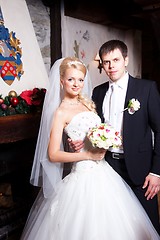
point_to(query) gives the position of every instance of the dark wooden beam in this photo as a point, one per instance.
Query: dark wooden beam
(55, 17)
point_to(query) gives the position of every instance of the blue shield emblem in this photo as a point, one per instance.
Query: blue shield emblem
(11, 66)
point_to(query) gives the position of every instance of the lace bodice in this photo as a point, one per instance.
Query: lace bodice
(77, 130)
(80, 124)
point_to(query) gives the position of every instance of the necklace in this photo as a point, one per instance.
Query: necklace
(71, 102)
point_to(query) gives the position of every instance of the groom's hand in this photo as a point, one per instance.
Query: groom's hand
(152, 183)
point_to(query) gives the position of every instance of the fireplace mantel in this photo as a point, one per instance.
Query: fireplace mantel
(19, 127)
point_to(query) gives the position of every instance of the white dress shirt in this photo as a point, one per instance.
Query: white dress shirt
(120, 88)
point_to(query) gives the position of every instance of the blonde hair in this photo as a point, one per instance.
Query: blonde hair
(73, 62)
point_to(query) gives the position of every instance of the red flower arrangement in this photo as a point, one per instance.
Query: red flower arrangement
(33, 97)
(28, 101)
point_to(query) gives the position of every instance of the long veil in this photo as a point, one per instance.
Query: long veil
(44, 173)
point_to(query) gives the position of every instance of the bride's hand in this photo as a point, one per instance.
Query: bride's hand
(75, 146)
(96, 154)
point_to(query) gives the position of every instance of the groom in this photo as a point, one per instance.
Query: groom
(138, 160)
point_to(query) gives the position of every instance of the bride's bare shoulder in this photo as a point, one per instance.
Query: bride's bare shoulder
(61, 112)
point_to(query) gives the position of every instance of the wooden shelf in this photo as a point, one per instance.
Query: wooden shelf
(19, 127)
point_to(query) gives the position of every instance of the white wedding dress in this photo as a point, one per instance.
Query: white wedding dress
(91, 203)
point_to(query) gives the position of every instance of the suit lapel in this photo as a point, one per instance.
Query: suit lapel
(131, 93)
(102, 95)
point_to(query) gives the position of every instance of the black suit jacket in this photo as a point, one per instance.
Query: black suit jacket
(140, 155)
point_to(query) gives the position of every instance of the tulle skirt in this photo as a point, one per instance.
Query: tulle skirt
(92, 203)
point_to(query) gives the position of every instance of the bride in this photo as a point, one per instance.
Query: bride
(92, 202)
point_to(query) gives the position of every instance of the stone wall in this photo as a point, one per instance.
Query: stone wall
(40, 16)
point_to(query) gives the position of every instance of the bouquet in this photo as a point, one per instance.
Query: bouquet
(104, 136)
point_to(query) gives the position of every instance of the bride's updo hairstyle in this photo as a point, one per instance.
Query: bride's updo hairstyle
(73, 62)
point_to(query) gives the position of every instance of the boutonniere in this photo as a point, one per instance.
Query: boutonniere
(133, 106)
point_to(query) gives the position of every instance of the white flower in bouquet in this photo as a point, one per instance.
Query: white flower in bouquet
(104, 136)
